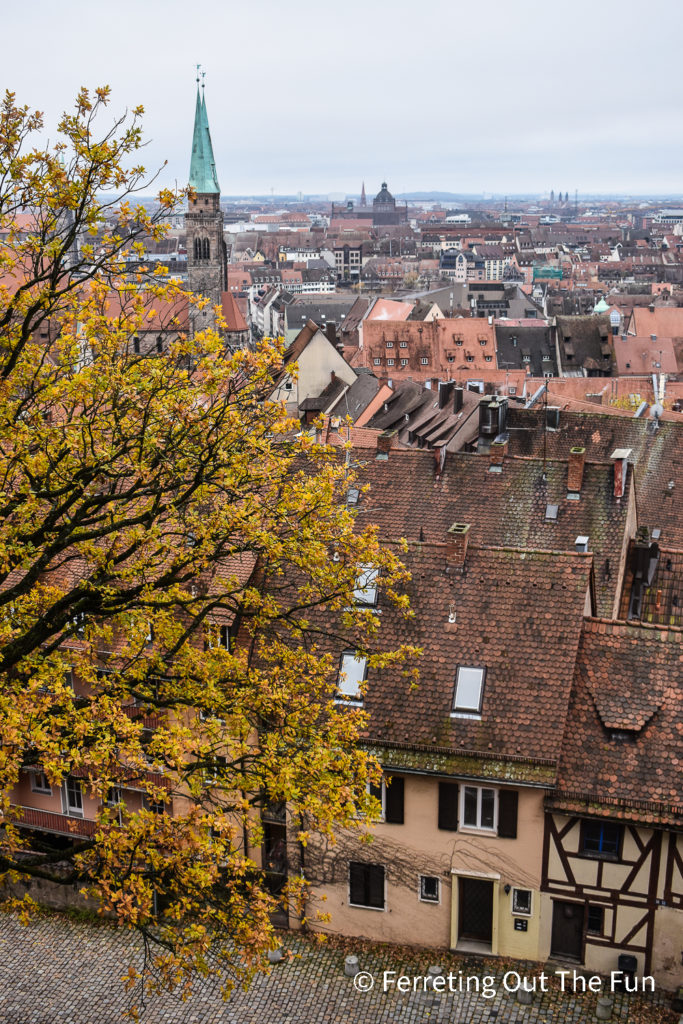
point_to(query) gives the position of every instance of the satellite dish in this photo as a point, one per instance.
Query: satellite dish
(657, 410)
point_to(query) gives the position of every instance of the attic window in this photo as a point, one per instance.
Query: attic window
(458, 341)
(469, 685)
(352, 672)
(365, 592)
(352, 496)
(551, 511)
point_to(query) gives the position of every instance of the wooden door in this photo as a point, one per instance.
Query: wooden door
(567, 935)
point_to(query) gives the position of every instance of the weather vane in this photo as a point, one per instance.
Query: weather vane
(198, 67)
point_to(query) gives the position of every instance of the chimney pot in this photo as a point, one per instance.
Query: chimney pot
(577, 460)
(456, 545)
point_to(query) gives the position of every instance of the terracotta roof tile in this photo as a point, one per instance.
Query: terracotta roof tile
(407, 499)
(623, 750)
(518, 614)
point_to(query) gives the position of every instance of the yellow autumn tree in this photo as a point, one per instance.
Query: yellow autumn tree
(177, 567)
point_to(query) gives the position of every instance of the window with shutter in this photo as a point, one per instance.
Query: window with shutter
(507, 813)
(394, 801)
(448, 806)
(366, 885)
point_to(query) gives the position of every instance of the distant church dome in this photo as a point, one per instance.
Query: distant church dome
(384, 195)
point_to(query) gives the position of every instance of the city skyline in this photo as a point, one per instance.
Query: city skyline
(316, 102)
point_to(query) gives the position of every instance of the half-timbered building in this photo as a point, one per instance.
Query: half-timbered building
(613, 850)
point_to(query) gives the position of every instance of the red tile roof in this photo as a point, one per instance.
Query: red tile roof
(627, 682)
(232, 314)
(516, 613)
(656, 456)
(509, 508)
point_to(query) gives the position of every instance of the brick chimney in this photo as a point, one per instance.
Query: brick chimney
(577, 460)
(385, 441)
(456, 545)
(497, 452)
(620, 457)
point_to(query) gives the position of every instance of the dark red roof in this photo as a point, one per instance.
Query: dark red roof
(506, 509)
(657, 455)
(623, 753)
(517, 614)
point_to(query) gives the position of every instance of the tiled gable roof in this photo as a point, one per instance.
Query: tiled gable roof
(517, 614)
(627, 681)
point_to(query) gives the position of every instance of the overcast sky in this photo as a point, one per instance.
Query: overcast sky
(505, 96)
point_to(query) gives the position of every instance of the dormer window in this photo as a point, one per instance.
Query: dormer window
(469, 688)
(352, 674)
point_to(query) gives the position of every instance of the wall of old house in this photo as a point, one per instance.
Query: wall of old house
(419, 847)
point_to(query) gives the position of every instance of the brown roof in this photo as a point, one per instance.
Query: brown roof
(446, 345)
(517, 614)
(232, 314)
(657, 456)
(622, 756)
(508, 509)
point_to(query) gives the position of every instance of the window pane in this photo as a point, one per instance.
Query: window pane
(351, 676)
(73, 789)
(366, 588)
(429, 888)
(470, 809)
(521, 901)
(488, 800)
(468, 689)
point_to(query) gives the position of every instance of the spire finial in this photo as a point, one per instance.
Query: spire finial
(198, 67)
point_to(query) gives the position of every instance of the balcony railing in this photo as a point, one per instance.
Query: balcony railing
(49, 821)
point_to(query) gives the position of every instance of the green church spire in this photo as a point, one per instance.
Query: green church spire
(203, 177)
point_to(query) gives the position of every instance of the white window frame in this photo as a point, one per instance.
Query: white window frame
(365, 590)
(36, 787)
(478, 827)
(352, 694)
(382, 798)
(468, 710)
(420, 890)
(522, 913)
(71, 809)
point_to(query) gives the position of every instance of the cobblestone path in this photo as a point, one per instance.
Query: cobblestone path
(55, 971)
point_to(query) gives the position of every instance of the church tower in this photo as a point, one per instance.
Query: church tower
(206, 254)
